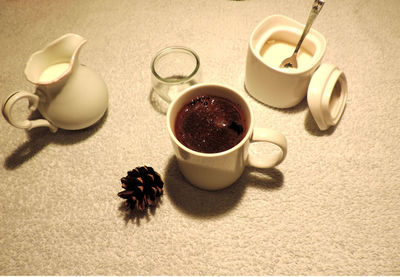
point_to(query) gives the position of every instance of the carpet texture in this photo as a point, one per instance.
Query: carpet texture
(331, 208)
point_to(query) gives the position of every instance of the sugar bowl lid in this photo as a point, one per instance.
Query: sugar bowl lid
(327, 95)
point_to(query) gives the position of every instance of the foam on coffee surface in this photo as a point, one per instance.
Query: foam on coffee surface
(210, 124)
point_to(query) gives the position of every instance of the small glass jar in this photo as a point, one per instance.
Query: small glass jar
(174, 69)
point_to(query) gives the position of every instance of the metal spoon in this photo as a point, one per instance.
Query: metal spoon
(316, 8)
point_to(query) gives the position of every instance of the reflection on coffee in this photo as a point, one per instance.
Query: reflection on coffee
(210, 124)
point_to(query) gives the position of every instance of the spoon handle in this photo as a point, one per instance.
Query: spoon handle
(316, 8)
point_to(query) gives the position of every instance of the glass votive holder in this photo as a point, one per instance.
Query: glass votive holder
(174, 69)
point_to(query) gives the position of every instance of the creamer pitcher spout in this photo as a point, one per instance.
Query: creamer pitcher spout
(55, 61)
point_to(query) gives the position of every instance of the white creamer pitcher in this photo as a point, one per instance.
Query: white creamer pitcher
(69, 95)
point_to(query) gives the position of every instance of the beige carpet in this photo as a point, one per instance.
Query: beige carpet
(331, 208)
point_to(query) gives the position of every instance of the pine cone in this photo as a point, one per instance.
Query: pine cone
(143, 186)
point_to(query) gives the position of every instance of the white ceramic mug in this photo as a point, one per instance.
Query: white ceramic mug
(274, 86)
(213, 171)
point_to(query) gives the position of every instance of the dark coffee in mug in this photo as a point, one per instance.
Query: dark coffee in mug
(210, 124)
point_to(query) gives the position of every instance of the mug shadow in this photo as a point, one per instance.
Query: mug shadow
(39, 138)
(201, 203)
(159, 104)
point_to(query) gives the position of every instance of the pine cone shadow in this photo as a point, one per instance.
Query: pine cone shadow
(39, 138)
(136, 216)
(202, 203)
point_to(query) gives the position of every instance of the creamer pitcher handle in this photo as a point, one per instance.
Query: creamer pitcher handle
(273, 159)
(33, 104)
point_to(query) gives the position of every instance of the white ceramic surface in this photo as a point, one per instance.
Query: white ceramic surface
(73, 99)
(274, 86)
(219, 170)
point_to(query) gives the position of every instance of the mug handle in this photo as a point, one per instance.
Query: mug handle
(33, 104)
(271, 136)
